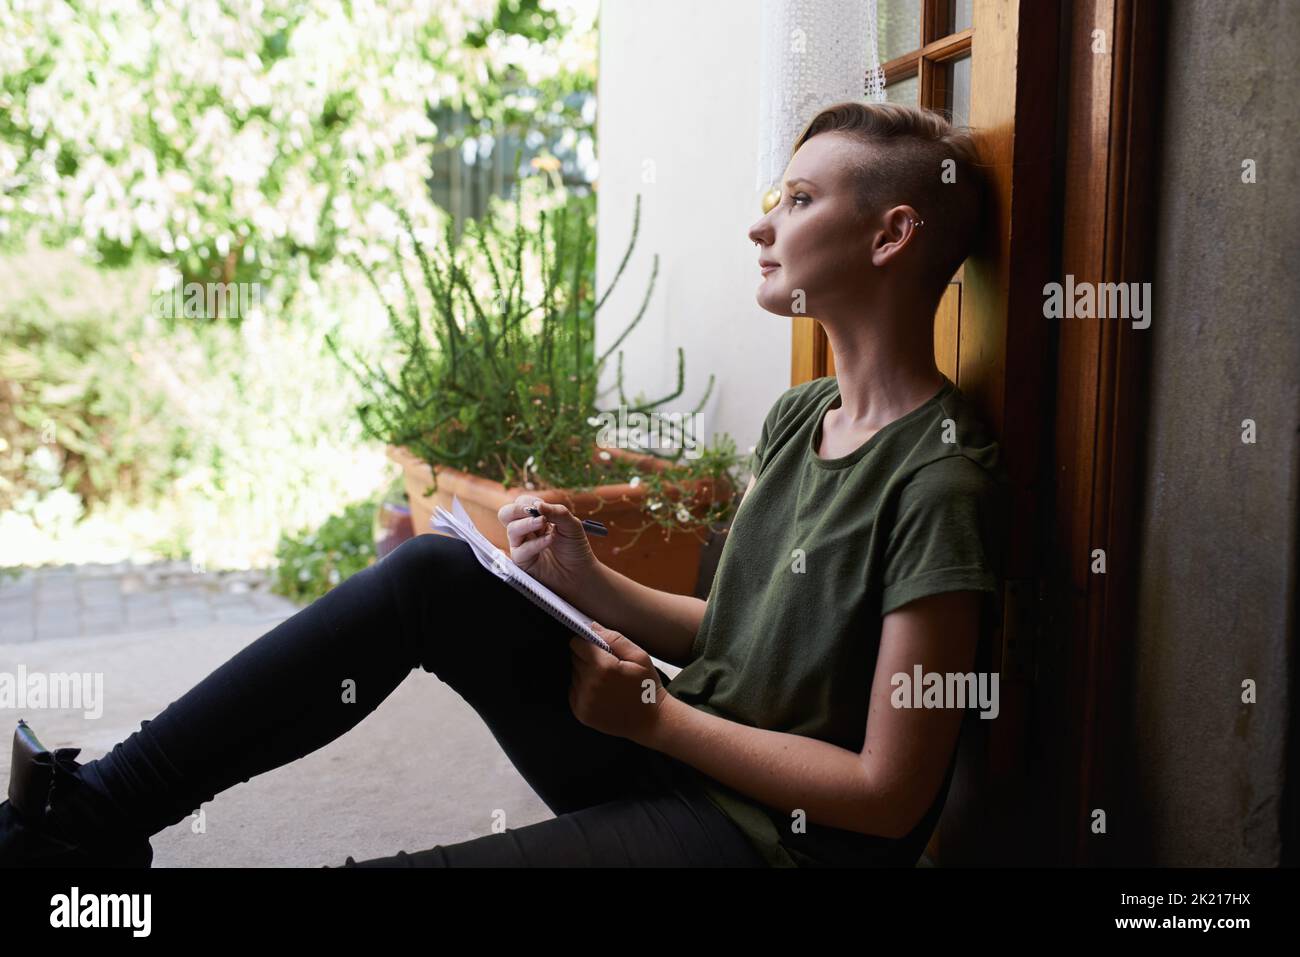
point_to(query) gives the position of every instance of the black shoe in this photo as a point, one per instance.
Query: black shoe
(54, 819)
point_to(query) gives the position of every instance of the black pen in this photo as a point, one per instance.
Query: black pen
(596, 528)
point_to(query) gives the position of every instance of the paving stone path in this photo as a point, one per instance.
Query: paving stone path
(71, 601)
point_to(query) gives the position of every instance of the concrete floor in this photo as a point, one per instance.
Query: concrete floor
(420, 770)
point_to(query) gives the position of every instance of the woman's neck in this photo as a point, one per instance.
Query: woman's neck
(883, 373)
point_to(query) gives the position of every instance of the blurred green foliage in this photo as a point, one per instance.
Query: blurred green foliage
(310, 563)
(119, 434)
(72, 413)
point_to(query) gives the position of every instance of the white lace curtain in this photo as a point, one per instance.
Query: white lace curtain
(814, 53)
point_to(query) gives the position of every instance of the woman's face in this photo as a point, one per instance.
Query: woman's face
(815, 235)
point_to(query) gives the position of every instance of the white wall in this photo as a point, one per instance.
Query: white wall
(677, 120)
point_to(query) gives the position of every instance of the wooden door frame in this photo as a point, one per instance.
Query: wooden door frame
(1107, 235)
(1004, 367)
(1067, 137)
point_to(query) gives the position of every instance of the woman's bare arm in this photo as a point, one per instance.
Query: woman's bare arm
(662, 623)
(884, 790)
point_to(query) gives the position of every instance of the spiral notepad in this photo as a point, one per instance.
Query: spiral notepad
(458, 524)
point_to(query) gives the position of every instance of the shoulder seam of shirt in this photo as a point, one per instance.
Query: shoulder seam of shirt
(946, 410)
(957, 453)
(918, 477)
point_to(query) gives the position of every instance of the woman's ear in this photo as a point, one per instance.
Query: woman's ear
(896, 228)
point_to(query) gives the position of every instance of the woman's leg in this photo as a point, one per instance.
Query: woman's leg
(668, 829)
(319, 673)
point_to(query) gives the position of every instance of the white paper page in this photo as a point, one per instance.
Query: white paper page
(462, 526)
(459, 524)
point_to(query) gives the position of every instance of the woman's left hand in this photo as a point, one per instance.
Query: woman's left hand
(616, 694)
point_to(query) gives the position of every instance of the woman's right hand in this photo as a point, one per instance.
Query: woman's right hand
(552, 547)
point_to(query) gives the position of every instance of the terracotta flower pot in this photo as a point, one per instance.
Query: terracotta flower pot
(665, 559)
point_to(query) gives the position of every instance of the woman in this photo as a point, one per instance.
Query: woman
(864, 546)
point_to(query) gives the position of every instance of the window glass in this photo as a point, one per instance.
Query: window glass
(904, 91)
(958, 99)
(898, 27)
(959, 15)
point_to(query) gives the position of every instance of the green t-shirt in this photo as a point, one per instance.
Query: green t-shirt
(818, 552)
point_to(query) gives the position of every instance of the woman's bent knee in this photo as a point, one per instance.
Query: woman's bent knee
(429, 561)
(431, 577)
(437, 581)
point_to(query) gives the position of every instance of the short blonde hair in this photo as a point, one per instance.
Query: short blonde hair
(910, 145)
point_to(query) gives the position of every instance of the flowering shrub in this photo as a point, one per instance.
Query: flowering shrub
(247, 142)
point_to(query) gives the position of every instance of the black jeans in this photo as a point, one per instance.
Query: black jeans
(281, 697)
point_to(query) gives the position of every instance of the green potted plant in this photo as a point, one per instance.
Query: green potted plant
(496, 394)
